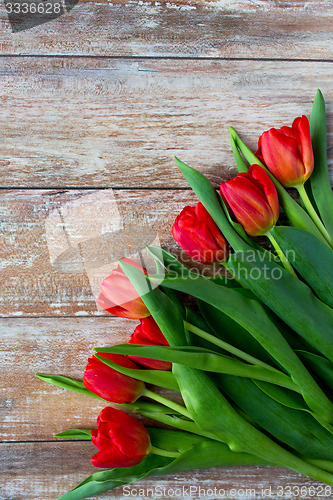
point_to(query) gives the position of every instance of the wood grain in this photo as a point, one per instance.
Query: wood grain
(193, 28)
(30, 285)
(105, 96)
(32, 409)
(106, 122)
(33, 471)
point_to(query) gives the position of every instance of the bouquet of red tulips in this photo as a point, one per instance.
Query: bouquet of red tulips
(251, 361)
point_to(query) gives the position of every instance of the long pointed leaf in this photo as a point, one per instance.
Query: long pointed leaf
(161, 378)
(202, 454)
(288, 297)
(253, 316)
(311, 258)
(295, 428)
(202, 359)
(67, 383)
(77, 386)
(208, 197)
(207, 406)
(319, 181)
(74, 434)
(227, 329)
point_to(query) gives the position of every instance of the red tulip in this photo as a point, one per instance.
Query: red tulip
(199, 236)
(148, 333)
(121, 439)
(110, 384)
(119, 296)
(253, 200)
(287, 152)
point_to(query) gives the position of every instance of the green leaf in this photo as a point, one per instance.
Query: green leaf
(74, 434)
(77, 386)
(158, 304)
(291, 299)
(67, 383)
(297, 216)
(319, 181)
(295, 428)
(109, 479)
(257, 320)
(208, 197)
(284, 396)
(320, 365)
(311, 258)
(227, 329)
(196, 319)
(201, 359)
(168, 261)
(241, 165)
(291, 400)
(174, 267)
(207, 406)
(141, 407)
(156, 377)
(198, 453)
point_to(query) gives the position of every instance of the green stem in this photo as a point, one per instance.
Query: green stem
(326, 465)
(178, 423)
(282, 257)
(234, 276)
(166, 402)
(164, 453)
(313, 214)
(227, 347)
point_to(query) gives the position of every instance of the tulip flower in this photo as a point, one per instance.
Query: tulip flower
(287, 152)
(199, 236)
(119, 296)
(121, 439)
(148, 333)
(110, 384)
(253, 200)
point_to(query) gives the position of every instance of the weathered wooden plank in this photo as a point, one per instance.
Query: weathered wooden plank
(32, 409)
(227, 28)
(56, 247)
(107, 122)
(47, 470)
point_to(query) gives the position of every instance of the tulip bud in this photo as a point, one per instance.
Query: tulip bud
(148, 333)
(109, 384)
(121, 439)
(287, 152)
(253, 200)
(199, 236)
(119, 297)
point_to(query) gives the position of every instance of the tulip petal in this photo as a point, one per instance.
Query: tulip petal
(112, 457)
(122, 440)
(148, 333)
(281, 155)
(196, 238)
(268, 187)
(303, 128)
(248, 203)
(119, 297)
(109, 384)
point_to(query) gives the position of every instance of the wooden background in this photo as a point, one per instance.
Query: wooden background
(104, 97)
